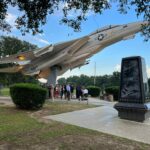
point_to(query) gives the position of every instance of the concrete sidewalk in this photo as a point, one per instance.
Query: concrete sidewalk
(5, 100)
(105, 119)
(92, 101)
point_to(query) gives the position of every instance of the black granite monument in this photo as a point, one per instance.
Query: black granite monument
(134, 100)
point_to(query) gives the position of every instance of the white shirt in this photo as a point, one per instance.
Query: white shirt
(85, 91)
(68, 88)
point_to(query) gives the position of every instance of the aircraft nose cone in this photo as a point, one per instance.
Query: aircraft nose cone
(140, 23)
(136, 26)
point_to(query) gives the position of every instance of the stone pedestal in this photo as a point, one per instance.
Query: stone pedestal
(134, 102)
(133, 111)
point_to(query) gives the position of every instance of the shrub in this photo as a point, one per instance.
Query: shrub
(94, 91)
(114, 90)
(27, 95)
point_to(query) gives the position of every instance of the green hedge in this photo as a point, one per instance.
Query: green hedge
(114, 90)
(27, 95)
(94, 91)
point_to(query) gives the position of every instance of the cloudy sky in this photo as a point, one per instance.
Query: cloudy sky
(106, 61)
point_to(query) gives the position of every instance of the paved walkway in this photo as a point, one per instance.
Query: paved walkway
(93, 101)
(105, 119)
(5, 100)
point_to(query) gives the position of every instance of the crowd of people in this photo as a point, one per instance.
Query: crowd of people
(68, 92)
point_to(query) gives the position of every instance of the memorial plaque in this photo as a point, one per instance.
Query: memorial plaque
(134, 101)
(130, 89)
(134, 81)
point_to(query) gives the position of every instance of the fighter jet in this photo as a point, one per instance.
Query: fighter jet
(54, 60)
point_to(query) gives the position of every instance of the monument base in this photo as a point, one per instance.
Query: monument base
(133, 111)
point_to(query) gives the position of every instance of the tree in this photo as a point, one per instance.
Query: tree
(115, 78)
(62, 81)
(12, 45)
(73, 80)
(34, 13)
(101, 81)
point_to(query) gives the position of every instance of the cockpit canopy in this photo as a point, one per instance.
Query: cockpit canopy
(104, 28)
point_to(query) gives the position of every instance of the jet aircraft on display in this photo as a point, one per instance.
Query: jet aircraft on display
(54, 60)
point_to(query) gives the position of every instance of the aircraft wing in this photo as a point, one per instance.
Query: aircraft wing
(24, 56)
(60, 53)
(29, 55)
(10, 69)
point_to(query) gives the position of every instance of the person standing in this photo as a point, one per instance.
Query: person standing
(68, 88)
(49, 91)
(72, 90)
(57, 91)
(79, 92)
(52, 92)
(65, 91)
(62, 91)
(85, 94)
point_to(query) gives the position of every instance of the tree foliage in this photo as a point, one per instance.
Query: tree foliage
(114, 90)
(62, 81)
(101, 81)
(12, 45)
(34, 13)
(93, 91)
(28, 96)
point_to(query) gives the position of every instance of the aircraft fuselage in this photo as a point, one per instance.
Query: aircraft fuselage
(97, 41)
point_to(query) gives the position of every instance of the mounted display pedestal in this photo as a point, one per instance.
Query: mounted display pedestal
(133, 111)
(134, 102)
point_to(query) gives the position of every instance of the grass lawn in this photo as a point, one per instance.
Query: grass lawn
(4, 92)
(25, 130)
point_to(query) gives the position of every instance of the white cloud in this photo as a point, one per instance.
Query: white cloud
(41, 40)
(41, 34)
(37, 40)
(117, 67)
(10, 18)
(74, 72)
